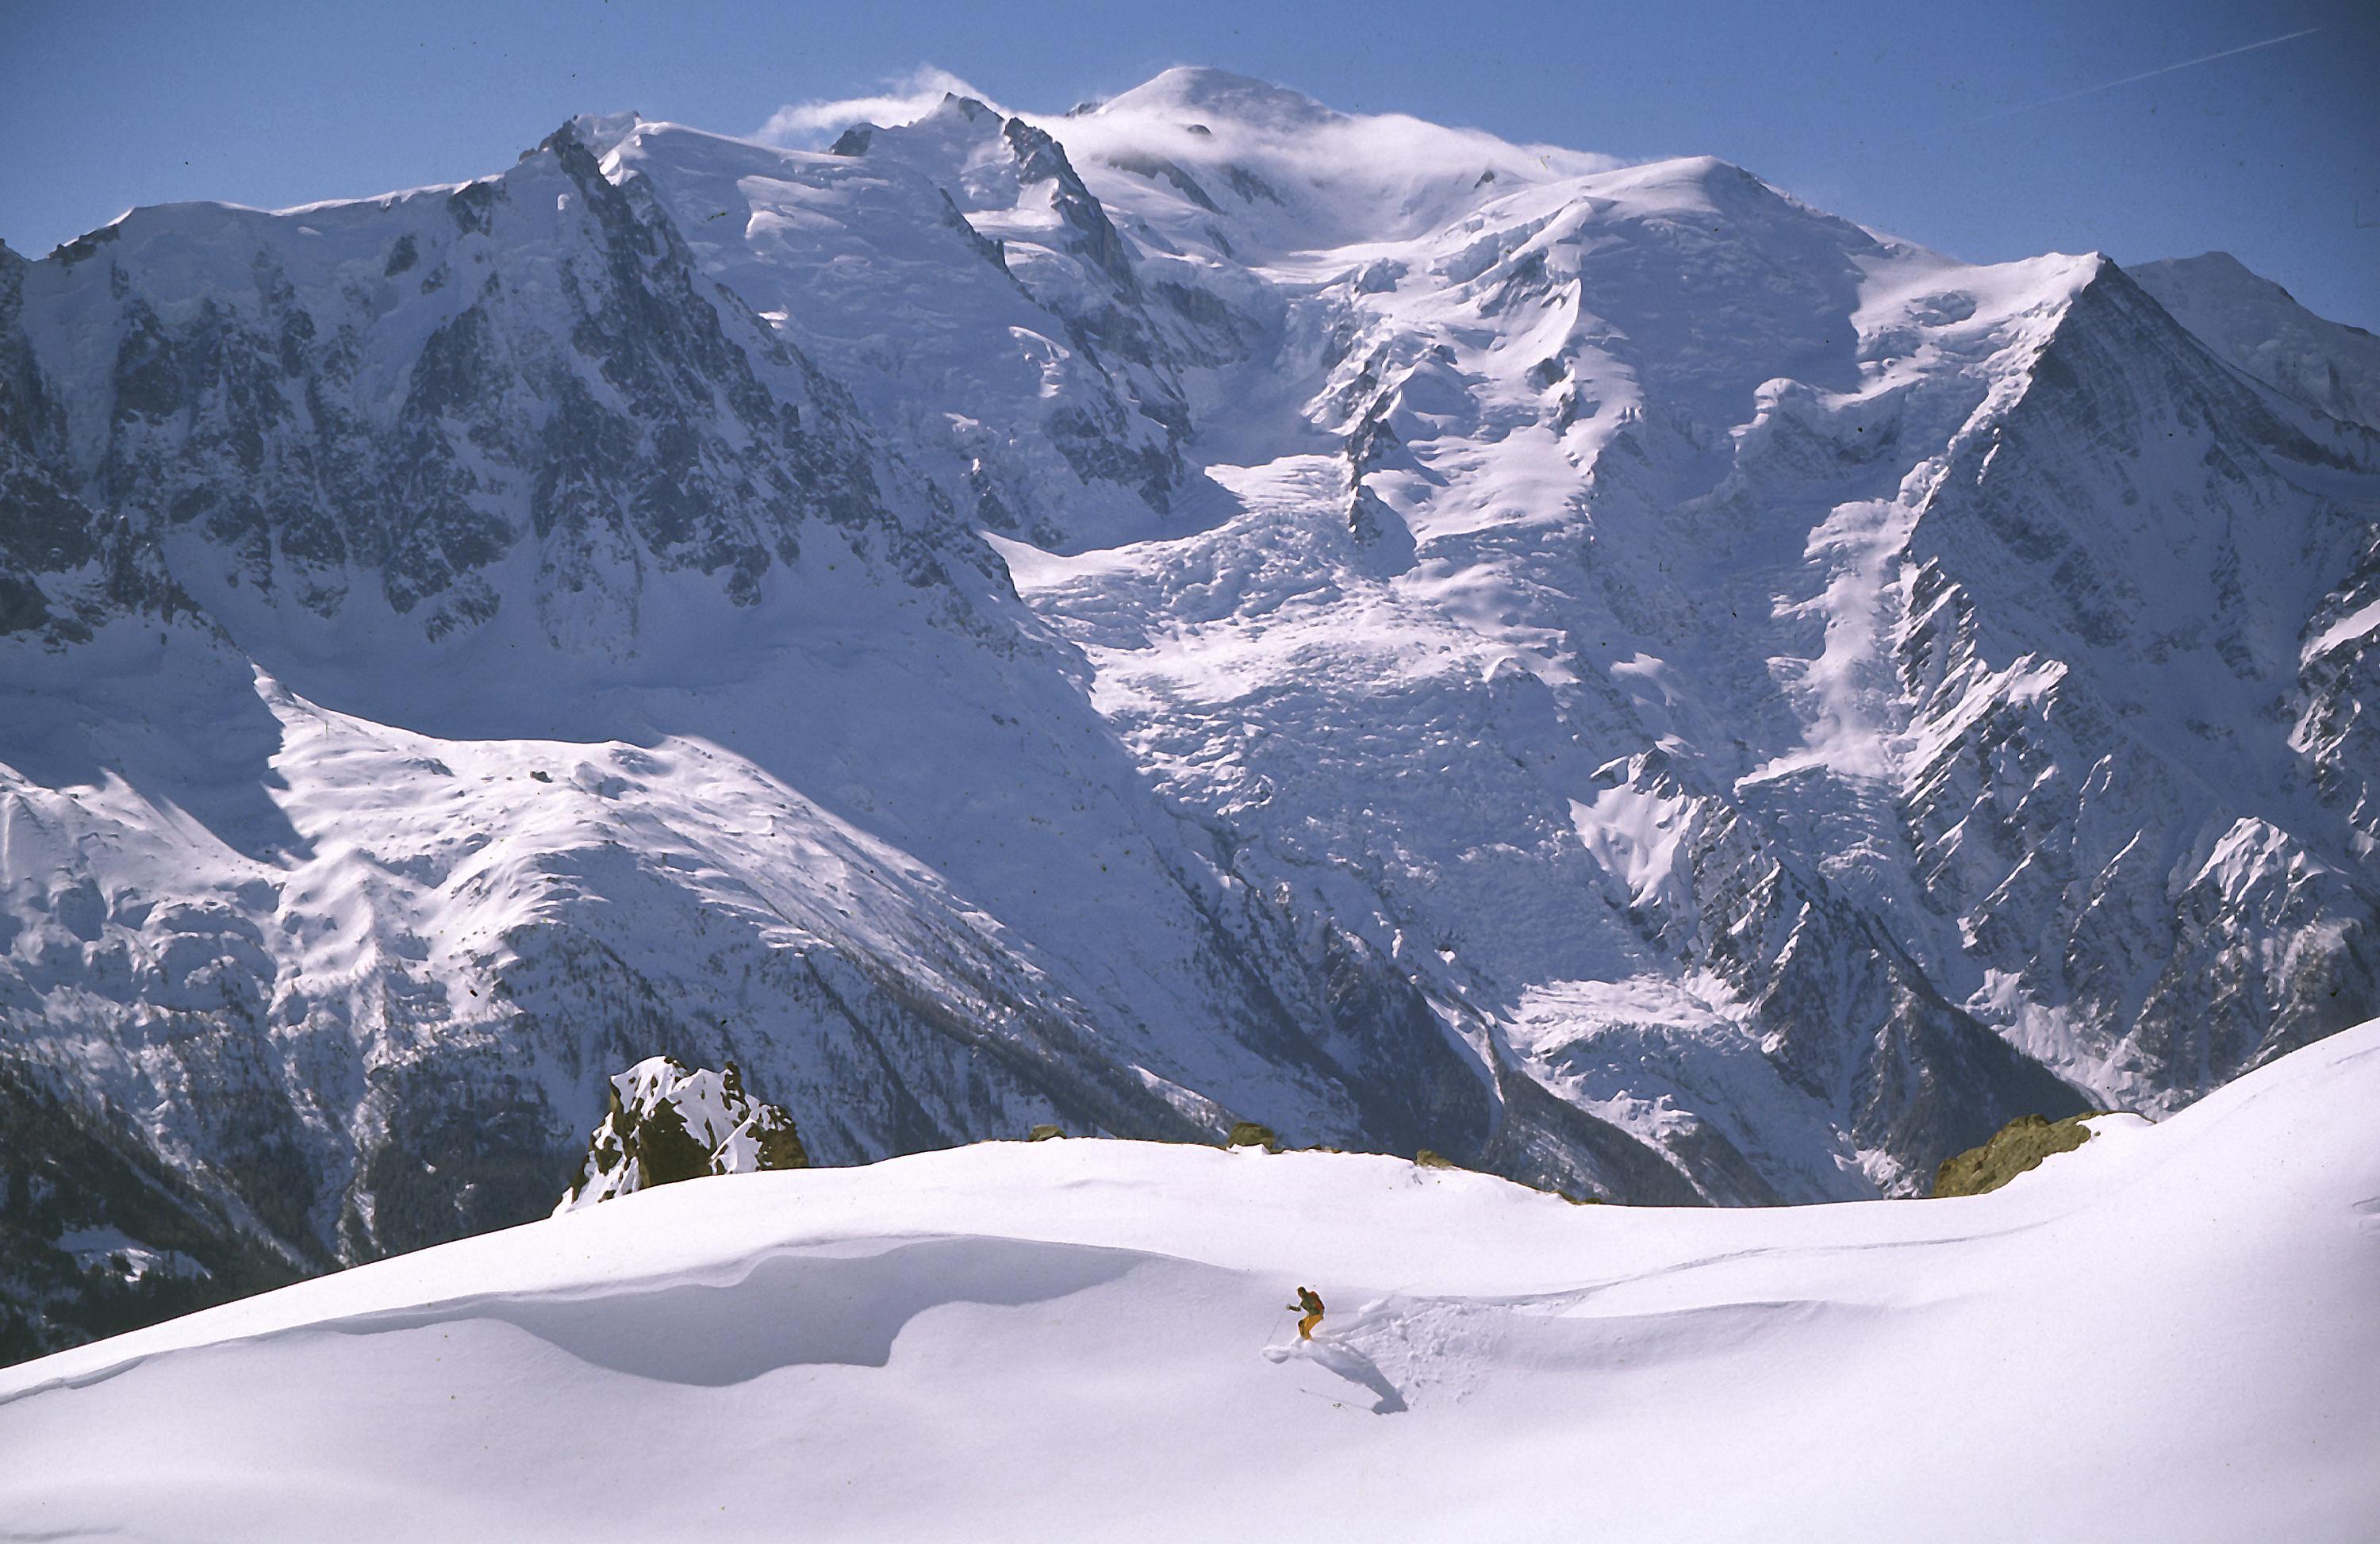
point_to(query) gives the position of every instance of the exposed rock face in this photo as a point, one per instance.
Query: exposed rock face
(1205, 610)
(534, 372)
(2014, 1148)
(668, 1123)
(98, 1235)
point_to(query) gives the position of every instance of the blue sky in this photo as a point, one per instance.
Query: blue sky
(1978, 129)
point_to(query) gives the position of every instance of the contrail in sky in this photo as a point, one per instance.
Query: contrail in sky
(2112, 85)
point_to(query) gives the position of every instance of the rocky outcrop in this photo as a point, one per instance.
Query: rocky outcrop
(2018, 1147)
(669, 1122)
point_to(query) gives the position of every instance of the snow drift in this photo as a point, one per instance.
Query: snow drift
(2163, 1335)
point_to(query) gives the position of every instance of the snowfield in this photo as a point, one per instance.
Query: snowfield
(2166, 1334)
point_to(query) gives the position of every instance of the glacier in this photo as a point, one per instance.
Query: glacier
(1202, 608)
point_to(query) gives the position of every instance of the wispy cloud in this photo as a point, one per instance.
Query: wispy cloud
(2127, 80)
(903, 100)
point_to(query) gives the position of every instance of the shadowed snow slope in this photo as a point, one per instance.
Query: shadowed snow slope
(1207, 608)
(2164, 1335)
(2257, 325)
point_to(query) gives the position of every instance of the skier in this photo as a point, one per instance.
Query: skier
(1311, 1307)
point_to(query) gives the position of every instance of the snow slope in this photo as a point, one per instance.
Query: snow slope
(2260, 327)
(2165, 1335)
(1205, 608)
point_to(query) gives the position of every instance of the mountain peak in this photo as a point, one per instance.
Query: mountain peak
(1198, 93)
(2261, 328)
(972, 109)
(601, 132)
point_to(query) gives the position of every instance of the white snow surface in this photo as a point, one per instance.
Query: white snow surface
(2165, 1335)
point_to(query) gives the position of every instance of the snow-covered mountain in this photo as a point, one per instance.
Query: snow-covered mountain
(2164, 1335)
(2259, 326)
(1205, 608)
